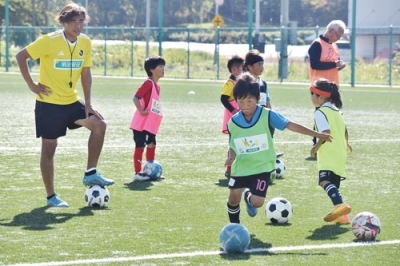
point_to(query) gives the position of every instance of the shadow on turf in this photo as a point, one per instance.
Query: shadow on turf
(140, 185)
(260, 248)
(222, 182)
(39, 220)
(331, 231)
(254, 243)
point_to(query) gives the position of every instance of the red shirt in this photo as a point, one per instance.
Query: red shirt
(144, 91)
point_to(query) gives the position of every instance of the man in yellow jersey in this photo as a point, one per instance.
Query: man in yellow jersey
(65, 56)
(324, 60)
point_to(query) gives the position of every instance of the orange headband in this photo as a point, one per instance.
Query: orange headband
(320, 92)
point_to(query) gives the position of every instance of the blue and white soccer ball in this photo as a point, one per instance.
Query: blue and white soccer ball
(234, 238)
(279, 210)
(97, 196)
(153, 169)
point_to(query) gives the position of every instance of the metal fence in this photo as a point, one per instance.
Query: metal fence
(203, 53)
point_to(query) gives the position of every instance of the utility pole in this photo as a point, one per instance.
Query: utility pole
(147, 27)
(7, 34)
(283, 60)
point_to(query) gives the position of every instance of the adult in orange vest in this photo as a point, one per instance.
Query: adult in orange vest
(324, 60)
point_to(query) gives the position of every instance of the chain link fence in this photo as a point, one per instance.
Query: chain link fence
(203, 53)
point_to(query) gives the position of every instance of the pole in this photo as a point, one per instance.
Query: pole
(353, 43)
(160, 26)
(147, 27)
(390, 53)
(7, 34)
(257, 17)
(283, 60)
(250, 22)
(132, 50)
(216, 46)
(188, 54)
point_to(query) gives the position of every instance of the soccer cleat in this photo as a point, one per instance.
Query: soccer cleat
(344, 219)
(96, 179)
(55, 201)
(251, 210)
(279, 155)
(339, 210)
(141, 177)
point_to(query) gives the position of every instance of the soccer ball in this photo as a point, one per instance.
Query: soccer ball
(280, 168)
(366, 226)
(234, 238)
(153, 169)
(278, 210)
(97, 196)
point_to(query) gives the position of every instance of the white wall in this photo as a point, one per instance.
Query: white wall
(373, 13)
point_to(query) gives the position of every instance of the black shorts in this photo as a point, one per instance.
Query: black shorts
(143, 138)
(258, 184)
(326, 175)
(52, 120)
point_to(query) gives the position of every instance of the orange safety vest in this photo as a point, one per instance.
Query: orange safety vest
(329, 53)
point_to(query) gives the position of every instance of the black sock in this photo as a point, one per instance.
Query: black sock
(91, 172)
(233, 213)
(49, 197)
(333, 193)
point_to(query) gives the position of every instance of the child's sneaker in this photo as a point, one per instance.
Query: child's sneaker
(96, 179)
(141, 177)
(344, 219)
(251, 210)
(55, 201)
(339, 210)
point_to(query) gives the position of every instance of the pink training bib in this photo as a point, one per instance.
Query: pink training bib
(228, 116)
(152, 121)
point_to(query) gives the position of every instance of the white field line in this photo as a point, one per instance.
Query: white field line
(212, 253)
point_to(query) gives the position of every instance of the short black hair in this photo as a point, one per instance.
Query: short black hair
(252, 57)
(152, 62)
(246, 86)
(235, 61)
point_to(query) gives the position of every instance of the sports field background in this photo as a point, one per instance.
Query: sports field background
(176, 221)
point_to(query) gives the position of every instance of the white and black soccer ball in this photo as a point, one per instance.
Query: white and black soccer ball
(366, 226)
(153, 169)
(97, 196)
(279, 169)
(278, 210)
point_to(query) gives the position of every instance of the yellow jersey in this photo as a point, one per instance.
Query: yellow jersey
(61, 63)
(227, 89)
